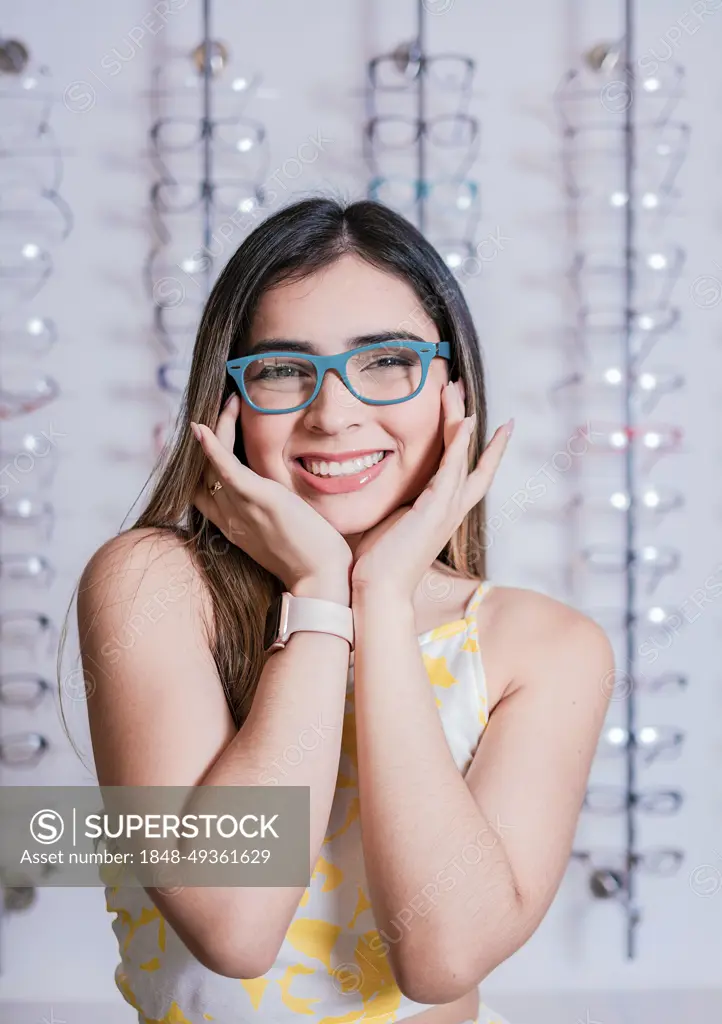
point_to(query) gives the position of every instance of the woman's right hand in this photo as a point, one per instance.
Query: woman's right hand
(275, 526)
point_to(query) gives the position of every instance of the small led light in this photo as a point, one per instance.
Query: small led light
(648, 734)
(239, 84)
(618, 199)
(651, 499)
(650, 553)
(646, 322)
(246, 205)
(652, 439)
(647, 381)
(618, 439)
(30, 251)
(650, 201)
(453, 260)
(243, 145)
(656, 615)
(657, 261)
(35, 326)
(651, 84)
(620, 500)
(30, 443)
(617, 736)
(613, 375)
(29, 82)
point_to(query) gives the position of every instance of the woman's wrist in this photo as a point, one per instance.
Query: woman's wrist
(328, 588)
(373, 599)
(377, 591)
(380, 604)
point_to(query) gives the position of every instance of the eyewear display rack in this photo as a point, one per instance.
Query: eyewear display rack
(622, 151)
(199, 208)
(34, 221)
(419, 158)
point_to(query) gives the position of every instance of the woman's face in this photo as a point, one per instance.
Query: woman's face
(348, 299)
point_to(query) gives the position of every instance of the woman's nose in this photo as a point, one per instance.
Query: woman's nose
(334, 406)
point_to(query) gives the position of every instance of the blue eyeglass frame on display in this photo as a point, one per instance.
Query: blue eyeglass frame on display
(427, 351)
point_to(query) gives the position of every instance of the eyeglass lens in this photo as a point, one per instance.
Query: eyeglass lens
(22, 690)
(281, 382)
(22, 748)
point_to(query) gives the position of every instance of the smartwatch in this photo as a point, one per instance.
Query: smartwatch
(288, 614)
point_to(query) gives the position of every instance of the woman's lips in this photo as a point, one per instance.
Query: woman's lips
(341, 484)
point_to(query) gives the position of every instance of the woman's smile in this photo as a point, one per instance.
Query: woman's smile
(334, 481)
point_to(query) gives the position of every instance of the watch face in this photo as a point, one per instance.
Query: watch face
(273, 621)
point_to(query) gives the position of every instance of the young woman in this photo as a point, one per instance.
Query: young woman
(445, 789)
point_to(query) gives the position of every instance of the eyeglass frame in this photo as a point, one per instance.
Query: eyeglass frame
(203, 189)
(42, 745)
(640, 858)
(422, 126)
(651, 799)
(423, 187)
(426, 350)
(206, 127)
(421, 63)
(8, 679)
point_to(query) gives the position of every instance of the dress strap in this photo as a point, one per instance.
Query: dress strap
(481, 591)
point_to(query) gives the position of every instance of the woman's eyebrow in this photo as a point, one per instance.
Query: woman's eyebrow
(288, 345)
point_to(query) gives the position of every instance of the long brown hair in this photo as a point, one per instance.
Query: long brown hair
(292, 244)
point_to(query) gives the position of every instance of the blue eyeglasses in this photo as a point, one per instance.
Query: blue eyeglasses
(383, 373)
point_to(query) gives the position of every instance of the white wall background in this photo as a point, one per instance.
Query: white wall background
(62, 952)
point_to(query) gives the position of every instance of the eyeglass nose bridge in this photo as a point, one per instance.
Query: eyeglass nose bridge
(337, 363)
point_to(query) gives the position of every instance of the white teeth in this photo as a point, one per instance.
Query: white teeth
(342, 468)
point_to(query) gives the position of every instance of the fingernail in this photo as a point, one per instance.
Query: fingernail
(229, 400)
(471, 423)
(510, 427)
(196, 430)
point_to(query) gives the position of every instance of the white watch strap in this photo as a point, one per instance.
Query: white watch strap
(320, 616)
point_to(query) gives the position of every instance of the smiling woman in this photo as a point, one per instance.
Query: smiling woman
(331, 450)
(375, 399)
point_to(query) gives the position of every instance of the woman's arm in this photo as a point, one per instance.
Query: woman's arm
(462, 869)
(158, 716)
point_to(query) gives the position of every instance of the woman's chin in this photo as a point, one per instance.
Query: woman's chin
(354, 527)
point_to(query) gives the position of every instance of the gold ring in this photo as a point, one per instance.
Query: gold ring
(215, 487)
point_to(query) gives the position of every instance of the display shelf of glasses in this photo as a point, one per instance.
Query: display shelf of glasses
(34, 221)
(420, 143)
(622, 150)
(210, 159)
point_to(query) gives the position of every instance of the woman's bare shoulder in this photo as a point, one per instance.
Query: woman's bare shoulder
(530, 609)
(159, 713)
(135, 548)
(142, 565)
(518, 625)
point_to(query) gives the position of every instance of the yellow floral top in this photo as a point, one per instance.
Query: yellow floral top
(332, 967)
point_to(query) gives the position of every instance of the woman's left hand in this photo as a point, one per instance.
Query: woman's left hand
(402, 547)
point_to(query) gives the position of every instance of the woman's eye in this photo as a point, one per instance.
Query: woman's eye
(279, 370)
(388, 361)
